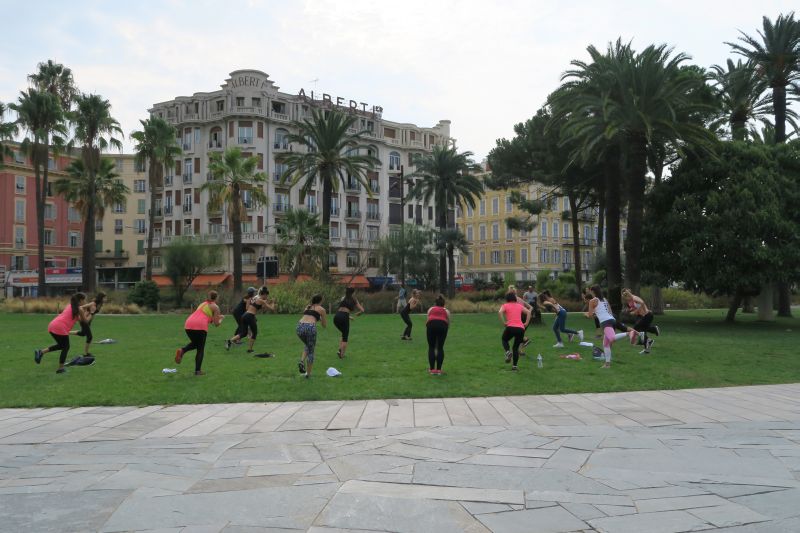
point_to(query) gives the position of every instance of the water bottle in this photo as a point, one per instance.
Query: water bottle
(170, 371)
(539, 361)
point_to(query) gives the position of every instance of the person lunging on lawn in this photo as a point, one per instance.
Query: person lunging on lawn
(87, 315)
(59, 329)
(196, 327)
(644, 318)
(307, 332)
(413, 303)
(240, 309)
(560, 323)
(249, 325)
(511, 316)
(599, 307)
(343, 316)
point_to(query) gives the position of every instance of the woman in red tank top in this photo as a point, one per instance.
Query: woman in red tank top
(437, 326)
(59, 329)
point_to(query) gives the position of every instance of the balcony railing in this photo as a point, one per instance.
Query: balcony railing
(249, 110)
(109, 254)
(311, 208)
(168, 181)
(168, 210)
(281, 207)
(279, 116)
(276, 176)
(245, 140)
(353, 213)
(187, 147)
(281, 145)
(334, 211)
(352, 186)
(373, 215)
(374, 187)
(187, 178)
(217, 238)
(215, 145)
(187, 208)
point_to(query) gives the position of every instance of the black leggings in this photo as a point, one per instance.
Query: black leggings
(437, 334)
(86, 331)
(409, 324)
(342, 322)
(62, 343)
(197, 341)
(238, 318)
(644, 323)
(248, 323)
(513, 333)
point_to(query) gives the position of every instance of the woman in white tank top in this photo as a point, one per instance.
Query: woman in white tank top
(600, 308)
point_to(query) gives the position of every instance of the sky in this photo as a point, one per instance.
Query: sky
(484, 65)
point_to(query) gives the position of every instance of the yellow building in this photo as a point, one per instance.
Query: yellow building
(121, 233)
(496, 249)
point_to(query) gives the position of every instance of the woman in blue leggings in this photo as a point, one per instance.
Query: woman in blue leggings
(560, 323)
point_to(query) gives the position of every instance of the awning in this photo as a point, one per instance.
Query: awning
(162, 281)
(210, 280)
(358, 281)
(284, 278)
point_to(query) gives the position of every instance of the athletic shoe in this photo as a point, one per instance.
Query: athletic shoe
(658, 331)
(37, 356)
(649, 344)
(508, 356)
(301, 366)
(404, 338)
(558, 345)
(437, 372)
(570, 337)
(178, 355)
(431, 371)
(526, 342)
(580, 335)
(644, 352)
(228, 344)
(514, 368)
(249, 351)
(199, 373)
(61, 371)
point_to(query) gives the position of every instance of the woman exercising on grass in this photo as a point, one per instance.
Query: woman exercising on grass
(307, 332)
(560, 323)
(599, 308)
(413, 303)
(196, 328)
(342, 318)
(88, 311)
(59, 329)
(249, 324)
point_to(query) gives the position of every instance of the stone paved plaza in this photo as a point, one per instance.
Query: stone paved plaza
(662, 461)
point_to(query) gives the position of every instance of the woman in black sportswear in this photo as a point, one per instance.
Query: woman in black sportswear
(241, 307)
(342, 318)
(412, 303)
(87, 315)
(254, 305)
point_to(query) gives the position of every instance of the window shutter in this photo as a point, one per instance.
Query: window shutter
(260, 130)
(230, 129)
(177, 168)
(197, 165)
(260, 224)
(197, 226)
(177, 197)
(197, 196)
(260, 161)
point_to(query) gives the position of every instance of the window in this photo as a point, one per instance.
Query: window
(50, 211)
(187, 170)
(281, 143)
(483, 207)
(20, 184)
(51, 163)
(483, 257)
(73, 215)
(394, 161)
(220, 105)
(281, 202)
(495, 206)
(509, 257)
(49, 237)
(74, 239)
(430, 213)
(19, 212)
(334, 230)
(509, 233)
(565, 233)
(544, 228)
(73, 262)
(523, 255)
(240, 101)
(372, 261)
(495, 231)
(98, 224)
(118, 226)
(119, 207)
(372, 233)
(588, 260)
(157, 261)
(256, 102)
(410, 211)
(509, 207)
(119, 164)
(587, 234)
(482, 230)
(523, 233)
(352, 259)
(496, 257)
(469, 211)
(469, 232)
(624, 233)
(333, 259)
(139, 186)
(245, 134)
(140, 207)
(566, 204)
(556, 256)
(19, 157)
(138, 225)
(567, 257)
(140, 247)
(555, 230)
(334, 206)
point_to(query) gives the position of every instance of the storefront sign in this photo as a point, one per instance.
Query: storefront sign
(64, 276)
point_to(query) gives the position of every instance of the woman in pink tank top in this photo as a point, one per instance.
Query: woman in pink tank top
(436, 328)
(196, 327)
(59, 329)
(511, 314)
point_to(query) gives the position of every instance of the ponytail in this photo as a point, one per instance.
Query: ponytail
(75, 302)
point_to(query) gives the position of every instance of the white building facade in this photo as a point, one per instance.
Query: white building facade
(250, 112)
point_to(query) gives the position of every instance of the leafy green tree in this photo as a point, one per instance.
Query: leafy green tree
(415, 243)
(331, 154)
(83, 190)
(41, 117)
(94, 133)
(7, 132)
(776, 56)
(446, 179)
(233, 175)
(728, 225)
(302, 242)
(184, 260)
(145, 294)
(156, 146)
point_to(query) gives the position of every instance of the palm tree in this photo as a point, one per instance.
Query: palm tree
(451, 240)
(79, 190)
(94, 133)
(7, 132)
(303, 242)
(157, 147)
(740, 90)
(776, 56)
(331, 154)
(231, 175)
(649, 97)
(447, 180)
(57, 80)
(40, 114)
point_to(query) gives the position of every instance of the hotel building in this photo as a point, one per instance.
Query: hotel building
(250, 112)
(496, 249)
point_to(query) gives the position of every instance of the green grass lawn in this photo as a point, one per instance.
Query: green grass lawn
(696, 349)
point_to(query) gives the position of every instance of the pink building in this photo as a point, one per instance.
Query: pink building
(19, 262)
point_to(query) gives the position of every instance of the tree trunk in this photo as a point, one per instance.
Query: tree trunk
(765, 303)
(601, 218)
(41, 196)
(327, 191)
(152, 178)
(738, 130)
(657, 300)
(451, 269)
(779, 103)
(736, 301)
(747, 305)
(91, 162)
(442, 251)
(636, 187)
(613, 261)
(236, 220)
(576, 241)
